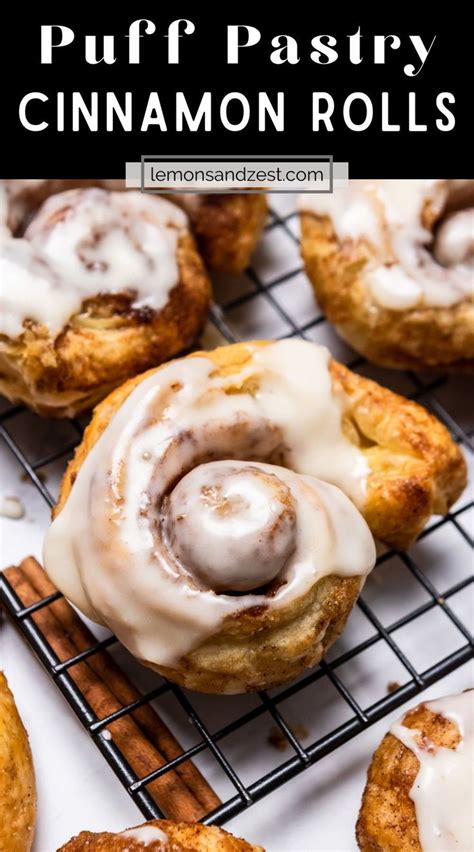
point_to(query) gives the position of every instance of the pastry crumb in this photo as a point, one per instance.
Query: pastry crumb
(39, 473)
(11, 507)
(277, 739)
(392, 686)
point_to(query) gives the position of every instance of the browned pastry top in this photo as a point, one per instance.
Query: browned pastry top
(178, 837)
(387, 820)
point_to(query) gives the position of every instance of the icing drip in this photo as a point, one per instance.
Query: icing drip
(184, 495)
(412, 266)
(443, 789)
(147, 835)
(83, 243)
(454, 243)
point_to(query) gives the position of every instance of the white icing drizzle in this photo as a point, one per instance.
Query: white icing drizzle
(83, 243)
(146, 835)
(19, 198)
(455, 239)
(443, 789)
(408, 265)
(193, 459)
(232, 524)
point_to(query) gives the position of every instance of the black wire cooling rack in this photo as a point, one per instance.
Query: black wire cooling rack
(261, 305)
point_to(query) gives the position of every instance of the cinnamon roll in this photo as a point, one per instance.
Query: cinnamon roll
(100, 286)
(227, 226)
(419, 789)
(209, 516)
(161, 835)
(391, 263)
(17, 779)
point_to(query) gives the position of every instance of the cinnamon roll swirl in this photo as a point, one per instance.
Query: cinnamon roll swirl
(227, 226)
(99, 286)
(209, 517)
(392, 266)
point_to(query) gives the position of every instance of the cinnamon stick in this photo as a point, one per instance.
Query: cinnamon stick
(126, 693)
(142, 736)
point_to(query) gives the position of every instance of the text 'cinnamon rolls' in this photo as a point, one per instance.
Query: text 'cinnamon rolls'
(209, 517)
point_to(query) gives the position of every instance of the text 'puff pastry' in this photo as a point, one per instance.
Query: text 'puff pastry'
(161, 835)
(100, 286)
(418, 796)
(391, 263)
(17, 779)
(209, 516)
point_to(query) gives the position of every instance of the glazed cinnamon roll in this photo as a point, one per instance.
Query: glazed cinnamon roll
(391, 263)
(227, 226)
(161, 835)
(100, 286)
(419, 789)
(209, 517)
(17, 779)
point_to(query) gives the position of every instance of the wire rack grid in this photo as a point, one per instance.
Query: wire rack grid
(273, 299)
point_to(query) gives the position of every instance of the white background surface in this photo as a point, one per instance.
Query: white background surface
(317, 810)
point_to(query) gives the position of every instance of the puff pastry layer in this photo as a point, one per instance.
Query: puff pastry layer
(17, 780)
